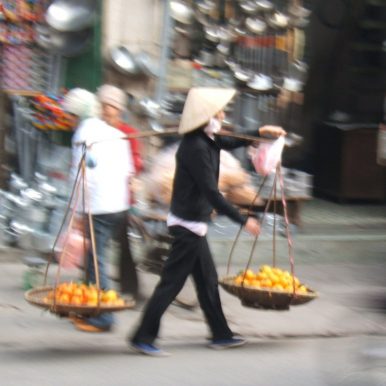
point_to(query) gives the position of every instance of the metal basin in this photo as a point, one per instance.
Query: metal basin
(260, 82)
(63, 43)
(255, 25)
(71, 15)
(147, 64)
(124, 61)
(181, 11)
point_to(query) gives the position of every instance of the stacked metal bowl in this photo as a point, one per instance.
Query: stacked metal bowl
(68, 27)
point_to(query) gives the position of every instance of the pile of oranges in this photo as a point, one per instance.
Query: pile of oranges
(83, 295)
(272, 278)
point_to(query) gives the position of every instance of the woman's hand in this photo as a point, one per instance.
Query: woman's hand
(273, 131)
(252, 226)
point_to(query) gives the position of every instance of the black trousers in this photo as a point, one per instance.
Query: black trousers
(189, 254)
(128, 278)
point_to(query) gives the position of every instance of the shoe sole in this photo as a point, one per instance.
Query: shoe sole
(159, 354)
(75, 319)
(227, 346)
(85, 327)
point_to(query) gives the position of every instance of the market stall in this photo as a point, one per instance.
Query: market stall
(39, 40)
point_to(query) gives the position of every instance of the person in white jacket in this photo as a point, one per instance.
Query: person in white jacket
(109, 168)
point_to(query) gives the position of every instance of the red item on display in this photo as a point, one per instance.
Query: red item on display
(135, 146)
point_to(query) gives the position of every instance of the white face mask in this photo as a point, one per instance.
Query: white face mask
(213, 127)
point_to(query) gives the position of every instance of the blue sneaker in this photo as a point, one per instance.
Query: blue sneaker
(148, 349)
(221, 344)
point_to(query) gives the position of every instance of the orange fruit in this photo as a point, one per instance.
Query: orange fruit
(277, 271)
(284, 281)
(265, 268)
(266, 283)
(77, 292)
(64, 298)
(249, 274)
(302, 289)
(274, 278)
(76, 300)
(262, 276)
(109, 296)
(64, 288)
(255, 283)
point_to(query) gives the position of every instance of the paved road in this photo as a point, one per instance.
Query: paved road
(72, 359)
(339, 339)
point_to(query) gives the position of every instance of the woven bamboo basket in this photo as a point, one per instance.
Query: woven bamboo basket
(38, 297)
(268, 299)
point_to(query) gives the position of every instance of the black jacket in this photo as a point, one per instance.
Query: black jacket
(195, 188)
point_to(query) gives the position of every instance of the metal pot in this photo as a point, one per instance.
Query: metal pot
(223, 48)
(124, 61)
(63, 43)
(212, 33)
(226, 34)
(255, 25)
(264, 6)
(206, 7)
(248, 7)
(298, 22)
(23, 235)
(156, 126)
(241, 74)
(71, 15)
(206, 58)
(278, 20)
(260, 82)
(181, 11)
(182, 45)
(146, 107)
(298, 11)
(147, 64)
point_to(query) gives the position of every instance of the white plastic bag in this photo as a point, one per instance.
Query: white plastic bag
(267, 156)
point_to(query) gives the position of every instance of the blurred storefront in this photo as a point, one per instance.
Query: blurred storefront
(316, 67)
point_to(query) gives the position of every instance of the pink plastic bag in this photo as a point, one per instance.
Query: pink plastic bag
(74, 254)
(267, 156)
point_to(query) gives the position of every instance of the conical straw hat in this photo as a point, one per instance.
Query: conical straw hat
(202, 104)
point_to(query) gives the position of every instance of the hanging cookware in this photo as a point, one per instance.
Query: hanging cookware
(71, 15)
(181, 11)
(146, 64)
(62, 43)
(278, 20)
(255, 25)
(206, 7)
(248, 7)
(298, 11)
(260, 82)
(123, 60)
(264, 5)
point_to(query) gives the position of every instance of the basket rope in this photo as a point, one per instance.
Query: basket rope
(288, 233)
(68, 207)
(241, 226)
(272, 197)
(257, 237)
(80, 183)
